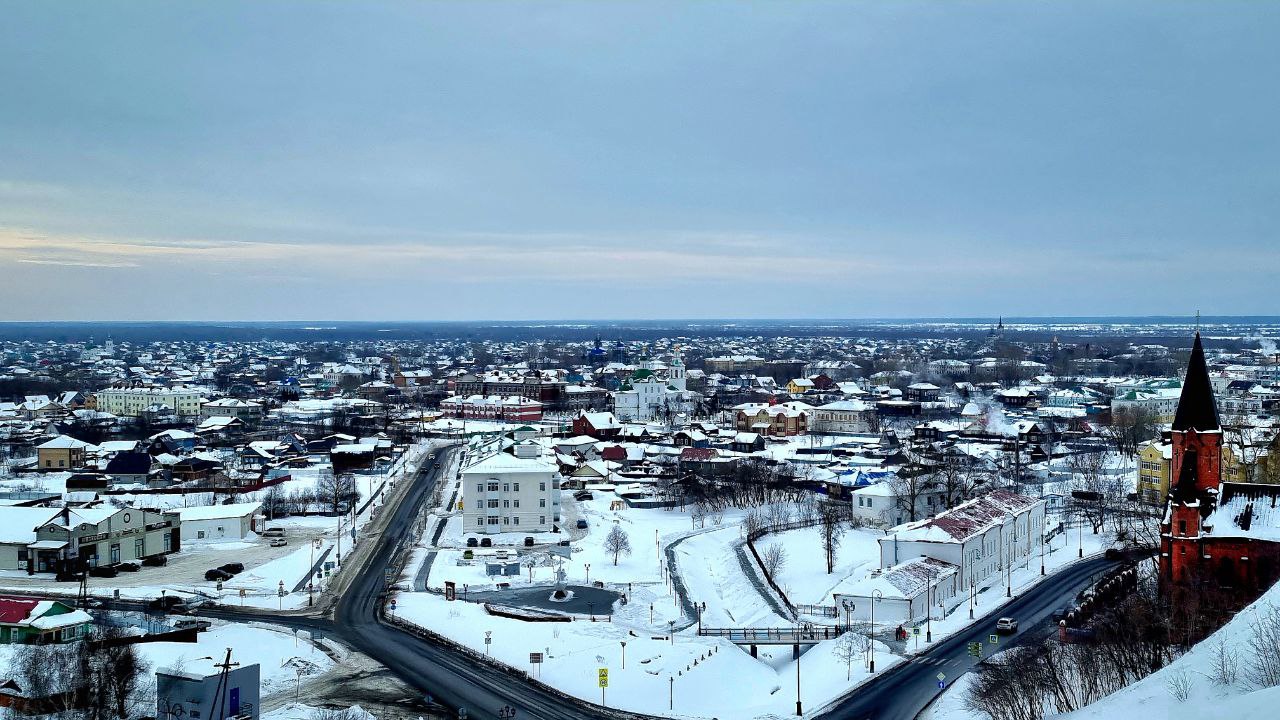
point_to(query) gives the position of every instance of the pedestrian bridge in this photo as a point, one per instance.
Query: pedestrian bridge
(799, 635)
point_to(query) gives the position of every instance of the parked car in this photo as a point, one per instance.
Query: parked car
(103, 571)
(486, 542)
(168, 604)
(1062, 613)
(273, 532)
(582, 495)
(472, 542)
(1113, 554)
(279, 542)
(528, 541)
(155, 560)
(1006, 626)
(128, 567)
(232, 568)
(582, 524)
(217, 574)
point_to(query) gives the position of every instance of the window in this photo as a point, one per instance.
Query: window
(542, 519)
(506, 521)
(22, 555)
(542, 486)
(515, 520)
(479, 487)
(1182, 527)
(859, 502)
(199, 534)
(480, 521)
(138, 548)
(515, 503)
(493, 521)
(868, 502)
(515, 487)
(506, 487)
(542, 502)
(493, 503)
(506, 503)
(493, 487)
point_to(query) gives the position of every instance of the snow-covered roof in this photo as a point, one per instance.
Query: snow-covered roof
(1247, 511)
(218, 512)
(966, 519)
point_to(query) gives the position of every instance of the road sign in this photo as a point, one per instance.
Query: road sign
(993, 639)
(915, 631)
(941, 684)
(942, 676)
(242, 592)
(604, 677)
(535, 658)
(975, 649)
(393, 604)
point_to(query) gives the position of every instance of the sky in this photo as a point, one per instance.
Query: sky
(596, 160)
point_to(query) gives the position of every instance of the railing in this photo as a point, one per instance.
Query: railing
(776, 636)
(820, 610)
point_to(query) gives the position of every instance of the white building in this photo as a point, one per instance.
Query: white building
(132, 402)
(903, 594)
(648, 396)
(246, 410)
(981, 537)
(842, 416)
(219, 523)
(877, 504)
(511, 493)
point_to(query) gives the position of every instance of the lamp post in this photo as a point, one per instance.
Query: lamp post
(799, 709)
(624, 653)
(671, 692)
(972, 597)
(876, 596)
(928, 633)
(591, 607)
(671, 630)
(848, 614)
(1042, 548)
(588, 567)
(1080, 536)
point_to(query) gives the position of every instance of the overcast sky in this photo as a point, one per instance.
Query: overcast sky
(538, 160)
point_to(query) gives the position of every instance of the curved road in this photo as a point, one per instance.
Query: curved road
(462, 682)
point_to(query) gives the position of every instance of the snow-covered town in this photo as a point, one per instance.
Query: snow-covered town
(639, 360)
(704, 527)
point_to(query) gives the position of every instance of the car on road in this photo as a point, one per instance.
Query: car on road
(217, 574)
(279, 542)
(155, 560)
(192, 623)
(232, 568)
(1062, 613)
(128, 567)
(486, 542)
(1113, 554)
(528, 541)
(103, 571)
(472, 542)
(582, 524)
(273, 532)
(168, 604)
(1006, 626)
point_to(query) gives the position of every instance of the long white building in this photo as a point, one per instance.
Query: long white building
(133, 401)
(511, 493)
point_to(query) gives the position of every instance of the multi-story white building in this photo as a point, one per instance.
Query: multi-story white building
(842, 416)
(981, 537)
(134, 401)
(511, 493)
(245, 410)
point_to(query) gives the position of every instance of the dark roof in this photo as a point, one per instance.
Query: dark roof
(129, 463)
(1196, 408)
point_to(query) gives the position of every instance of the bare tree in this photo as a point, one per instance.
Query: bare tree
(774, 559)
(909, 488)
(751, 522)
(831, 529)
(337, 491)
(1264, 638)
(850, 647)
(617, 542)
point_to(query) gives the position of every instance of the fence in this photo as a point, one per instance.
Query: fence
(819, 610)
(761, 532)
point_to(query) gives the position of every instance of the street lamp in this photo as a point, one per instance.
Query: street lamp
(848, 614)
(671, 630)
(624, 653)
(799, 710)
(876, 596)
(591, 606)
(973, 599)
(671, 692)
(928, 634)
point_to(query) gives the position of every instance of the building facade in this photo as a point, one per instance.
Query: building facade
(511, 493)
(133, 402)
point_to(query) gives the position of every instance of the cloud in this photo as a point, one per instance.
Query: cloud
(77, 263)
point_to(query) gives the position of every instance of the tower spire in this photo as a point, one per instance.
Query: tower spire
(1197, 409)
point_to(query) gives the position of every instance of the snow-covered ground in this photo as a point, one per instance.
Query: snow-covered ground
(804, 575)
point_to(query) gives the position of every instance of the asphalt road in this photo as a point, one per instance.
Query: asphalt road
(903, 691)
(460, 682)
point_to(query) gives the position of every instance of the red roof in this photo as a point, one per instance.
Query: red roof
(693, 453)
(14, 610)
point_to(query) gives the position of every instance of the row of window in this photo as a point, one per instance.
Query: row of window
(512, 520)
(542, 502)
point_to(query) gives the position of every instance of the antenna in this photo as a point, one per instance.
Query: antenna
(1197, 321)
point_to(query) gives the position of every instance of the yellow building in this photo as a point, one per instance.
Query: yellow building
(1154, 469)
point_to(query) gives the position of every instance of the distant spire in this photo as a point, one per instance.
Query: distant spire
(1197, 409)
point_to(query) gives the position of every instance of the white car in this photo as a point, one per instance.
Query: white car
(279, 542)
(1006, 626)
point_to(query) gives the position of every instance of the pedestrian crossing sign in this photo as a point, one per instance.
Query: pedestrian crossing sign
(604, 677)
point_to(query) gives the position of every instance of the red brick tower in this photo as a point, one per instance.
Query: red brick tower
(1196, 475)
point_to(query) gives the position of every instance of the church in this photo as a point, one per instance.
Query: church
(1219, 541)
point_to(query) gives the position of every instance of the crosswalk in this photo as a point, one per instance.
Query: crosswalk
(922, 660)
